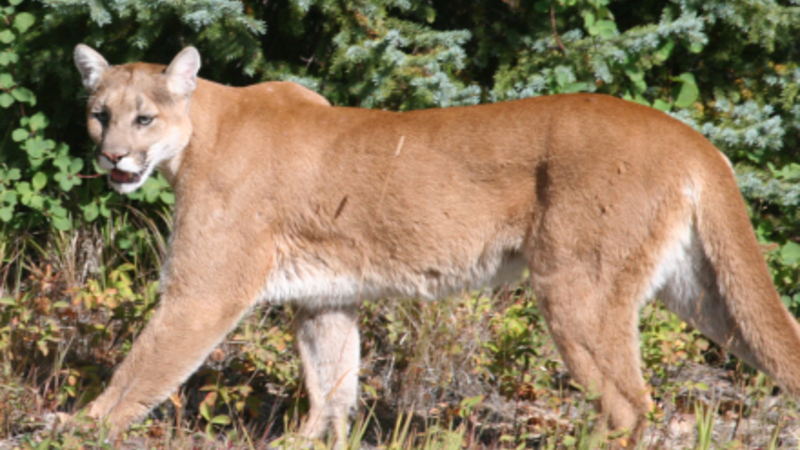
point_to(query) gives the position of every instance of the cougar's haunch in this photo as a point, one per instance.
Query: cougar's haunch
(281, 197)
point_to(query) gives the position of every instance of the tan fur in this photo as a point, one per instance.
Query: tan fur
(283, 198)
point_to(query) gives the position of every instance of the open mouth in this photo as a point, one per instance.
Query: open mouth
(122, 177)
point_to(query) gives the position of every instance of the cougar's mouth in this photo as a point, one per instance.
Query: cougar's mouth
(120, 176)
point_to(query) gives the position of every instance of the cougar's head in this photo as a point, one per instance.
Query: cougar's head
(138, 114)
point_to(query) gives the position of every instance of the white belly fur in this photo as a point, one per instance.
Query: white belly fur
(314, 284)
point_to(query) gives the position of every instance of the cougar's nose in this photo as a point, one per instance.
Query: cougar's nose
(114, 157)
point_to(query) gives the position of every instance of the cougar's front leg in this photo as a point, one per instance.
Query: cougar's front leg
(328, 342)
(176, 341)
(208, 284)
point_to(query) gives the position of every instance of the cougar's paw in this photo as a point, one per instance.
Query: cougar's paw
(58, 421)
(79, 424)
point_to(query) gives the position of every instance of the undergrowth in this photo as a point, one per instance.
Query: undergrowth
(476, 371)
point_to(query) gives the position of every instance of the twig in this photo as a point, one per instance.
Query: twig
(555, 30)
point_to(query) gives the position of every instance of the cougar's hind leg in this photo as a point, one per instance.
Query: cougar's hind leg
(328, 342)
(597, 336)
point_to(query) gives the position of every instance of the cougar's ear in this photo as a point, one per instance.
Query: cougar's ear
(90, 64)
(182, 71)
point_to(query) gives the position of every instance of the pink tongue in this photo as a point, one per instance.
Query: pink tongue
(120, 176)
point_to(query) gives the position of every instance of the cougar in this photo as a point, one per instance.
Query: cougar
(283, 198)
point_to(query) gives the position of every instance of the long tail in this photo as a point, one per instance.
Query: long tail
(759, 329)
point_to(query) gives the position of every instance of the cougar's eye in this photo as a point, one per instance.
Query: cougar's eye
(144, 120)
(101, 116)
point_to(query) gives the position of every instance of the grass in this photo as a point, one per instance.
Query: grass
(478, 371)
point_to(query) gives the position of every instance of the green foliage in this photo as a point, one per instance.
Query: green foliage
(29, 160)
(41, 186)
(667, 341)
(518, 359)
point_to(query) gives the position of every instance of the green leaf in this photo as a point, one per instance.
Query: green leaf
(606, 29)
(562, 78)
(7, 36)
(39, 121)
(576, 87)
(221, 420)
(35, 147)
(62, 223)
(688, 93)
(91, 211)
(9, 198)
(7, 213)
(6, 81)
(661, 105)
(66, 181)
(639, 98)
(23, 21)
(126, 242)
(14, 2)
(685, 77)
(62, 162)
(24, 189)
(789, 172)
(20, 134)
(8, 57)
(36, 202)
(8, 301)
(39, 180)
(6, 100)
(76, 165)
(639, 86)
(25, 193)
(105, 211)
(62, 149)
(635, 73)
(205, 412)
(430, 15)
(663, 52)
(24, 95)
(790, 253)
(150, 190)
(471, 402)
(25, 199)
(588, 19)
(168, 197)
